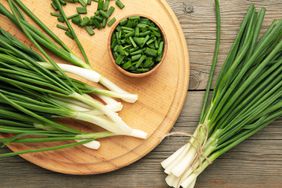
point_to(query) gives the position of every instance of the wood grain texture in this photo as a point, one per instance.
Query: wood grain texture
(256, 163)
(155, 112)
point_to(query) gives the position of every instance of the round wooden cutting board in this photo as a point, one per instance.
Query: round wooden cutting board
(161, 96)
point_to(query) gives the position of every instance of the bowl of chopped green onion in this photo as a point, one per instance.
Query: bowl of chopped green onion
(137, 46)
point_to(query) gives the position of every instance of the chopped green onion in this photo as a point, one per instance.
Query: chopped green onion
(136, 57)
(104, 23)
(161, 48)
(110, 11)
(55, 14)
(119, 4)
(100, 5)
(73, 16)
(106, 5)
(84, 21)
(90, 30)
(151, 52)
(111, 22)
(81, 10)
(62, 27)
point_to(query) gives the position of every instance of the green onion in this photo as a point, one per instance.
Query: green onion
(104, 14)
(106, 5)
(110, 11)
(247, 97)
(55, 14)
(33, 93)
(100, 5)
(76, 20)
(62, 27)
(44, 41)
(119, 4)
(127, 65)
(111, 22)
(84, 21)
(89, 30)
(61, 19)
(54, 6)
(151, 52)
(83, 2)
(104, 23)
(81, 10)
(133, 33)
(72, 32)
(123, 22)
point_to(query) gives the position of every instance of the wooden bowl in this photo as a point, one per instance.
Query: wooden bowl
(137, 75)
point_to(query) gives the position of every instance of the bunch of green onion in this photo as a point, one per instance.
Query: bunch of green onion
(50, 41)
(247, 97)
(35, 91)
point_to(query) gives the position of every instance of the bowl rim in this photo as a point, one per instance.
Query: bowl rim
(125, 72)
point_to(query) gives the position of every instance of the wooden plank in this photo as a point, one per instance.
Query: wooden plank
(253, 164)
(198, 22)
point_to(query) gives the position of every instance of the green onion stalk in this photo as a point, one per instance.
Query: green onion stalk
(20, 128)
(51, 42)
(19, 68)
(52, 107)
(247, 97)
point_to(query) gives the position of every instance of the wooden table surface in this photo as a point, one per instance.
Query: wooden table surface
(257, 163)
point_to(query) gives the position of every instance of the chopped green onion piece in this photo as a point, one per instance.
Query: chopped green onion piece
(99, 18)
(90, 30)
(127, 65)
(136, 57)
(56, 14)
(123, 22)
(119, 4)
(62, 27)
(119, 59)
(76, 20)
(84, 21)
(81, 10)
(54, 6)
(61, 19)
(145, 40)
(83, 2)
(104, 14)
(161, 47)
(100, 5)
(142, 58)
(104, 23)
(111, 22)
(151, 52)
(106, 5)
(110, 11)
(136, 52)
(132, 42)
(149, 62)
